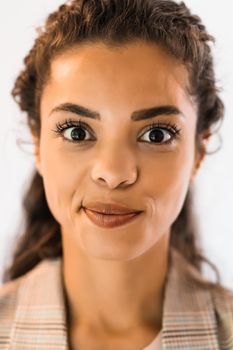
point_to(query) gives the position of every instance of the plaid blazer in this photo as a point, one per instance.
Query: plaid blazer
(33, 314)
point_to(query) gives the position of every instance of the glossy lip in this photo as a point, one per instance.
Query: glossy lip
(110, 208)
(109, 221)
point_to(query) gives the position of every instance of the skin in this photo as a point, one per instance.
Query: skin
(119, 271)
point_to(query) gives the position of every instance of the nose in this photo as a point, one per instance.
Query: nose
(115, 168)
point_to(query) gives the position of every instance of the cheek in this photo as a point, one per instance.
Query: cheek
(63, 181)
(166, 182)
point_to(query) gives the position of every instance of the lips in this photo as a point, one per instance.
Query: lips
(110, 220)
(110, 214)
(110, 208)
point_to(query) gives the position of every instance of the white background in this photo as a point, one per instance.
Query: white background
(214, 205)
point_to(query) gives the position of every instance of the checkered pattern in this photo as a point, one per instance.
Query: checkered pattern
(33, 314)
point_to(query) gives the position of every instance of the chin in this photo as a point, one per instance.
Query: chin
(114, 251)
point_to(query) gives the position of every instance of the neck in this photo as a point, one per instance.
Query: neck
(132, 291)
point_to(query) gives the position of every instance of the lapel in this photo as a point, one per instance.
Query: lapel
(40, 319)
(189, 320)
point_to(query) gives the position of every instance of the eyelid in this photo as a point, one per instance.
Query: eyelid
(168, 126)
(172, 127)
(70, 123)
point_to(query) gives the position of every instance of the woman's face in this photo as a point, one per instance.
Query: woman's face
(115, 157)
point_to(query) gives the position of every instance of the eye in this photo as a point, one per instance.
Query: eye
(77, 131)
(73, 131)
(162, 133)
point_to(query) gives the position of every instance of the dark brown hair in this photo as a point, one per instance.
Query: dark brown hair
(114, 22)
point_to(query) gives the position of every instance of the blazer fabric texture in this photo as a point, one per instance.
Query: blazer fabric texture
(33, 314)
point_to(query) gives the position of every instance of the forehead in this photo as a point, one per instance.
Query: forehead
(136, 72)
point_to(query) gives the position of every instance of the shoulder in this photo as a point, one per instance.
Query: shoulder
(29, 304)
(200, 293)
(13, 292)
(8, 303)
(223, 302)
(10, 291)
(223, 305)
(8, 297)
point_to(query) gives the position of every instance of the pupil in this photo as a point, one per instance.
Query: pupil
(78, 133)
(157, 135)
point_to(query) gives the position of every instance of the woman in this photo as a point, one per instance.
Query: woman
(121, 101)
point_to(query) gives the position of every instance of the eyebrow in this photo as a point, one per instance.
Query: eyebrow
(135, 116)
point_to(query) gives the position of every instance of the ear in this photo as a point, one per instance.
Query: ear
(200, 152)
(36, 142)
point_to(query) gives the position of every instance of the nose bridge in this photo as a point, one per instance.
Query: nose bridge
(115, 164)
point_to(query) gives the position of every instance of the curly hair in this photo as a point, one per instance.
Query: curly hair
(163, 22)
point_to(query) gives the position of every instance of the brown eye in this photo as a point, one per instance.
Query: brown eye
(158, 135)
(75, 134)
(73, 131)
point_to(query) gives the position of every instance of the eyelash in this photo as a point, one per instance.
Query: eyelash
(167, 126)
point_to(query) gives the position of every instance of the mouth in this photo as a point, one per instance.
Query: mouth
(110, 220)
(110, 208)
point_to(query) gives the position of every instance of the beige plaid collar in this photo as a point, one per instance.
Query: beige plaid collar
(189, 320)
